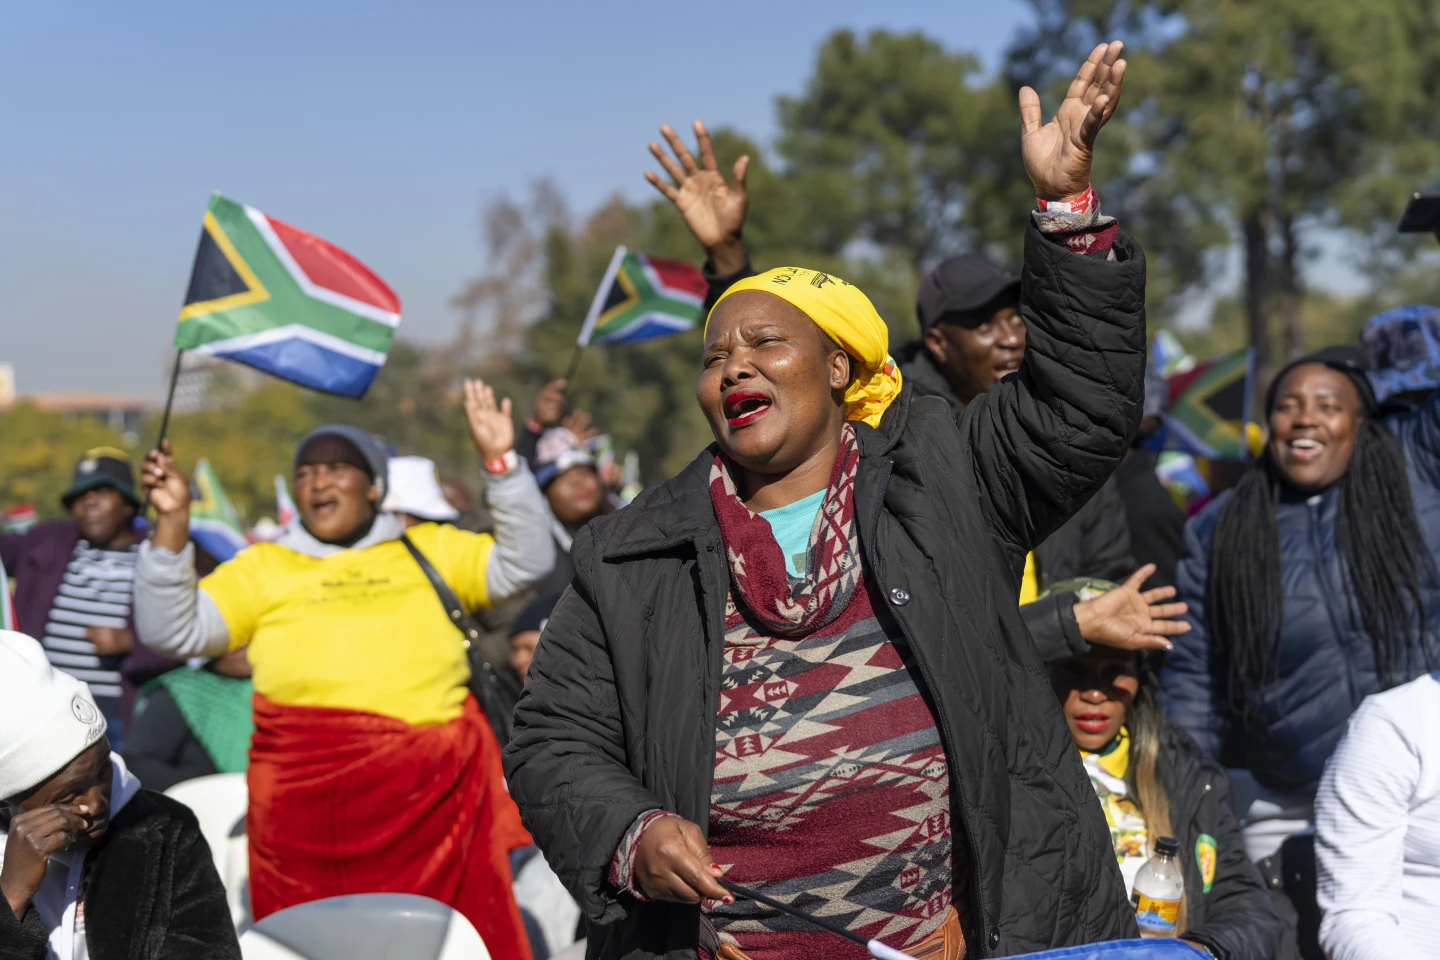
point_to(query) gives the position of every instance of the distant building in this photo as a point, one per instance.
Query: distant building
(119, 412)
(208, 383)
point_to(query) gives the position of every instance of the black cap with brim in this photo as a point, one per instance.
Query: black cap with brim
(960, 288)
(94, 472)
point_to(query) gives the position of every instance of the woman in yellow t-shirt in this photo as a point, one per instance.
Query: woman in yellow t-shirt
(371, 769)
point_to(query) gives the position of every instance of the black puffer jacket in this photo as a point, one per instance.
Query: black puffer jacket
(1326, 659)
(150, 891)
(620, 707)
(1095, 542)
(1233, 918)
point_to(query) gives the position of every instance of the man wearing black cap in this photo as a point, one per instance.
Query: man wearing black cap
(73, 578)
(972, 333)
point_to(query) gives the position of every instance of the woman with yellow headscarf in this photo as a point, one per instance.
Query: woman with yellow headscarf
(798, 665)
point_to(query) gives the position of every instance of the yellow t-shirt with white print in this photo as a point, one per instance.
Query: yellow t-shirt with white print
(359, 629)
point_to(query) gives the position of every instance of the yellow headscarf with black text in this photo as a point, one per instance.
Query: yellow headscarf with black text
(848, 317)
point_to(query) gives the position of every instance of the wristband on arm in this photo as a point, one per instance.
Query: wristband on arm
(501, 465)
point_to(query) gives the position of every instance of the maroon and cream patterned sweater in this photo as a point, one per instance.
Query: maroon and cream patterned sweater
(831, 789)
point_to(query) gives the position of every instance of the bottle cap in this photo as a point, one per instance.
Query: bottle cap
(1167, 846)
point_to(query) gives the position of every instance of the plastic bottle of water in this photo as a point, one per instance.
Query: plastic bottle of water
(1157, 891)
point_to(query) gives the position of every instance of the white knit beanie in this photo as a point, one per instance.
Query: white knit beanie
(47, 718)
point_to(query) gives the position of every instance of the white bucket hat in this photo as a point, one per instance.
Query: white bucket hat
(414, 490)
(47, 718)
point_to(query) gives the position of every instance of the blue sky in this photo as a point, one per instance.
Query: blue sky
(380, 126)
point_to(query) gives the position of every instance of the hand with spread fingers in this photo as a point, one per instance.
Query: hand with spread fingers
(491, 429)
(1057, 154)
(713, 209)
(1132, 619)
(581, 426)
(673, 862)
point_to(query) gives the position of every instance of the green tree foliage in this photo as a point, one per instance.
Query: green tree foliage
(38, 453)
(901, 144)
(1258, 124)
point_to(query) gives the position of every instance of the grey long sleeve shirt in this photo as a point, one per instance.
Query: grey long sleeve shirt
(177, 618)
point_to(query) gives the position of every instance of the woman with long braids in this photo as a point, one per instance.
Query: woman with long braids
(1310, 586)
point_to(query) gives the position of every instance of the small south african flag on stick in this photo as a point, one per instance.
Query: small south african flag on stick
(643, 297)
(279, 299)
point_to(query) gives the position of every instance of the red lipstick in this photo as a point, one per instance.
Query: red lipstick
(744, 407)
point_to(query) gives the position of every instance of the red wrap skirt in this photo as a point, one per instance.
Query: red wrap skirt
(344, 801)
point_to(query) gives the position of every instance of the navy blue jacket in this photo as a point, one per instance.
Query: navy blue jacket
(1327, 663)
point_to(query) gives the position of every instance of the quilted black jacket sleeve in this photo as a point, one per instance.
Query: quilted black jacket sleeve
(1048, 436)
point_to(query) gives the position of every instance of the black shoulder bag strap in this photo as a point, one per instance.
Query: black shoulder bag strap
(485, 682)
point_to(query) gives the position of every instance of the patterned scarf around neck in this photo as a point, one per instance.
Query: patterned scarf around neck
(787, 606)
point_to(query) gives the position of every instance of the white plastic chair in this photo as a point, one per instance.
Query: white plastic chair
(365, 926)
(219, 802)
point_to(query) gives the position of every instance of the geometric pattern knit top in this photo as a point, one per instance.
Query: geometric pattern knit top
(831, 788)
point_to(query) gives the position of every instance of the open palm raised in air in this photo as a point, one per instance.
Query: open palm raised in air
(713, 209)
(1057, 154)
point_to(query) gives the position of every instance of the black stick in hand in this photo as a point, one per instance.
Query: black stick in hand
(873, 947)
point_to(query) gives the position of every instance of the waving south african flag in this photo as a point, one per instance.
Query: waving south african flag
(643, 297)
(273, 297)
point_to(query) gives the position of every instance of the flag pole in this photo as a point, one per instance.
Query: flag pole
(170, 398)
(164, 426)
(875, 948)
(574, 362)
(597, 306)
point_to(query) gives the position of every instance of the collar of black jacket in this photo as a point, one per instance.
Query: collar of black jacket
(679, 511)
(923, 374)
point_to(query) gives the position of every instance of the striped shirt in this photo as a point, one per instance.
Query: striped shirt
(96, 592)
(1377, 830)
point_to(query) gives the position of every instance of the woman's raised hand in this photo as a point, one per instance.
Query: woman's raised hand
(713, 209)
(491, 429)
(1057, 154)
(1130, 618)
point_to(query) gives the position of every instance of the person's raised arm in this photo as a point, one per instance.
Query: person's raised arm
(713, 209)
(1047, 437)
(171, 615)
(524, 549)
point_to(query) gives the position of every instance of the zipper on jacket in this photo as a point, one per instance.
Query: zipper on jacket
(868, 543)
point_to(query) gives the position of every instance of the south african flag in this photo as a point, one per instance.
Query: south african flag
(643, 297)
(1210, 406)
(271, 296)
